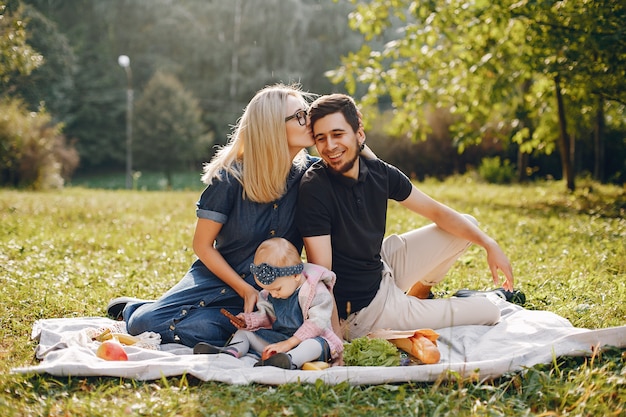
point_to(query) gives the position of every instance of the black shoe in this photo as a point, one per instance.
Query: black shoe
(279, 360)
(204, 348)
(515, 296)
(116, 306)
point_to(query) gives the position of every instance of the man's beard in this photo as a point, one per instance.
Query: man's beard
(345, 167)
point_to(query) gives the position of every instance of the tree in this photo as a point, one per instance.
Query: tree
(16, 55)
(95, 119)
(578, 44)
(33, 151)
(455, 56)
(169, 131)
(480, 60)
(50, 84)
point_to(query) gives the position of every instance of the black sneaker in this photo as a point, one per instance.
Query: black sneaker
(203, 348)
(116, 306)
(279, 360)
(515, 296)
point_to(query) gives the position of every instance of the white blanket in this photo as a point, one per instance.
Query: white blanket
(522, 338)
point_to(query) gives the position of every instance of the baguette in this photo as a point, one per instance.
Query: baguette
(420, 347)
(123, 338)
(421, 344)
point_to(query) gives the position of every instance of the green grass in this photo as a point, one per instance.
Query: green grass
(66, 253)
(142, 180)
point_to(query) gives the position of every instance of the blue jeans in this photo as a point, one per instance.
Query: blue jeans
(189, 312)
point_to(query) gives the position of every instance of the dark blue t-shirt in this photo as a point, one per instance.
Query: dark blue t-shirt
(246, 223)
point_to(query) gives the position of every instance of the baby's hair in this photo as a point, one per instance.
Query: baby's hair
(278, 252)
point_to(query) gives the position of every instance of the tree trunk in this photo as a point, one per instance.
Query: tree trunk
(522, 115)
(598, 137)
(564, 140)
(169, 180)
(522, 166)
(234, 64)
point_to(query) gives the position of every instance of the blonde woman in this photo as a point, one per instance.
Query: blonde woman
(252, 185)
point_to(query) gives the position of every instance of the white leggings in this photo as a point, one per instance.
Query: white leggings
(308, 350)
(425, 255)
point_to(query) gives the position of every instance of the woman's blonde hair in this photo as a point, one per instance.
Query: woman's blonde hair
(257, 152)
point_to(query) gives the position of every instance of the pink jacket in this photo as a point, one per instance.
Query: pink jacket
(316, 303)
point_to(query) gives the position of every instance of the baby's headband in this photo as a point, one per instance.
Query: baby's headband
(266, 273)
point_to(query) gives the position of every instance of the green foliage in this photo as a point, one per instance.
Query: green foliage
(33, 153)
(492, 65)
(582, 41)
(451, 55)
(51, 83)
(473, 60)
(169, 132)
(16, 55)
(435, 157)
(496, 171)
(364, 351)
(65, 254)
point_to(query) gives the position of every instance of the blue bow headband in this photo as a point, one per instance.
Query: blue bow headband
(266, 273)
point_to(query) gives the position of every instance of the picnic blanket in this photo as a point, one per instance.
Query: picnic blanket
(522, 338)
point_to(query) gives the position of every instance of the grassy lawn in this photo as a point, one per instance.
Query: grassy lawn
(66, 253)
(142, 180)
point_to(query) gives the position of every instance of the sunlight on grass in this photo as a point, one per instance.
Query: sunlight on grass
(66, 253)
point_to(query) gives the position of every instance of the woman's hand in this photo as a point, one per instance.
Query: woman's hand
(203, 245)
(250, 298)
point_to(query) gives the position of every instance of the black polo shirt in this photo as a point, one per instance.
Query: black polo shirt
(354, 214)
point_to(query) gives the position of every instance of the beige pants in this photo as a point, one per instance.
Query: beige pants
(425, 254)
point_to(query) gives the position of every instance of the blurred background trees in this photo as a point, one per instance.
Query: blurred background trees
(33, 152)
(533, 88)
(170, 133)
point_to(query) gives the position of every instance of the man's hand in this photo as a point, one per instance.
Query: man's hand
(497, 260)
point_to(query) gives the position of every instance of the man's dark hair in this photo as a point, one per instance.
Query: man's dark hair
(335, 103)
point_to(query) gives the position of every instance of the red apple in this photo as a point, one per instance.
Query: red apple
(267, 353)
(111, 350)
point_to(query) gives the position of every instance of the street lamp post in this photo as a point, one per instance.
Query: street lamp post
(124, 62)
